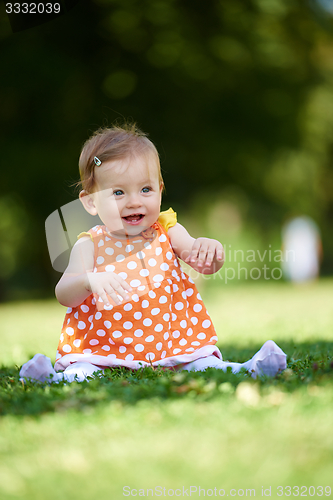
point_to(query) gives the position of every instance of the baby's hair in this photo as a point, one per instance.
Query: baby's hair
(112, 144)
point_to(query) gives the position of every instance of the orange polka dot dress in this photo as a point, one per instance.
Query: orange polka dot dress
(164, 322)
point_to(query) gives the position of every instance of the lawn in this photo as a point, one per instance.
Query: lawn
(154, 433)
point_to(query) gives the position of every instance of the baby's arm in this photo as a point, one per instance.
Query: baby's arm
(79, 280)
(205, 255)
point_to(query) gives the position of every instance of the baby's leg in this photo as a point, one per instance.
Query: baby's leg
(269, 360)
(79, 371)
(40, 369)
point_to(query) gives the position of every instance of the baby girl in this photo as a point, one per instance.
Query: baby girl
(129, 301)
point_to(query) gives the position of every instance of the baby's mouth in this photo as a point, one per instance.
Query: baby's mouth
(134, 218)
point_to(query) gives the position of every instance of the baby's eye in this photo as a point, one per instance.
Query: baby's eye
(118, 192)
(147, 189)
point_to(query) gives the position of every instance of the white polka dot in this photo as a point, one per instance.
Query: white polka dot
(141, 288)
(110, 268)
(190, 349)
(135, 283)
(144, 273)
(173, 317)
(61, 337)
(106, 347)
(150, 338)
(70, 331)
(170, 344)
(117, 316)
(163, 299)
(199, 296)
(68, 321)
(118, 244)
(137, 315)
(163, 354)
(100, 260)
(195, 343)
(147, 245)
(84, 308)
(191, 281)
(101, 243)
(176, 334)
(111, 341)
(150, 356)
(189, 292)
(98, 315)
(108, 308)
(140, 255)
(120, 258)
(166, 316)
(175, 288)
(214, 337)
(66, 348)
(179, 306)
(139, 347)
(162, 238)
(147, 322)
(129, 357)
(176, 351)
(128, 325)
(176, 262)
(109, 251)
(189, 332)
(91, 326)
(69, 310)
(155, 311)
(164, 266)
(167, 289)
(128, 306)
(123, 275)
(132, 265)
(77, 342)
(182, 342)
(76, 315)
(81, 325)
(194, 320)
(128, 340)
(169, 255)
(183, 323)
(158, 327)
(158, 250)
(93, 301)
(93, 342)
(201, 336)
(158, 277)
(145, 304)
(122, 349)
(135, 297)
(159, 346)
(152, 262)
(116, 334)
(100, 333)
(152, 294)
(166, 336)
(129, 248)
(206, 323)
(138, 333)
(86, 351)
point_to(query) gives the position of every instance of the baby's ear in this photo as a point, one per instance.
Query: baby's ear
(87, 200)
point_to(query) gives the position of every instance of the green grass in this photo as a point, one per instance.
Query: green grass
(159, 428)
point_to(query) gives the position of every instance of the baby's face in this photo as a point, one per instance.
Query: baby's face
(128, 194)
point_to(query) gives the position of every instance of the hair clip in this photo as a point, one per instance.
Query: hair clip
(97, 161)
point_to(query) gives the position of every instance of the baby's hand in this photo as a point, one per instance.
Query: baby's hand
(108, 284)
(204, 251)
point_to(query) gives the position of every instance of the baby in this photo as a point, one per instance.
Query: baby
(129, 301)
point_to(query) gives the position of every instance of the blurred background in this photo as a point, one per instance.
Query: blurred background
(237, 95)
